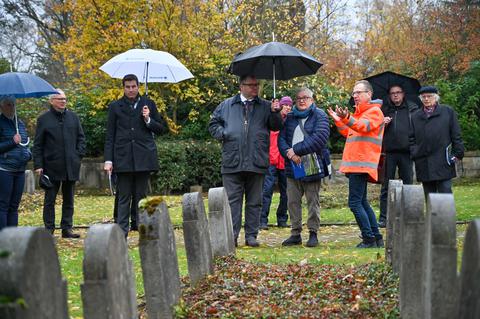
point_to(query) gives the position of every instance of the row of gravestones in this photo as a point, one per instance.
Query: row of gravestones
(421, 247)
(31, 283)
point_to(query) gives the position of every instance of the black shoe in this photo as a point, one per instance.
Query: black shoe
(252, 242)
(382, 224)
(292, 240)
(134, 228)
(380, 243)
(67, 233)
(368, 243)
(283, 225)
(263, 227)
(312, 240)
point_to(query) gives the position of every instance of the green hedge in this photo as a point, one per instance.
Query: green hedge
(184, 163)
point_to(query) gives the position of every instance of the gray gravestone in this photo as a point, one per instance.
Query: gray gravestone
(30, 275)
(412, 255)
(108, 291)
(158, 254)
(397, 229)
(29, 186)
(469, 300)
(440, 257)
(220, 221)
(197, 237)
(392, 211)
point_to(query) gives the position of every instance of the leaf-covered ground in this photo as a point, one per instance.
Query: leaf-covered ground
(241, 289)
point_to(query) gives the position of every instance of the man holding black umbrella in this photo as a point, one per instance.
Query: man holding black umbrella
(397, 113)
(243, 124)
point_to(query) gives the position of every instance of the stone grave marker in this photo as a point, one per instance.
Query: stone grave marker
(469, 299)
(108, 291)
(440, 257)
(158, 254)
(30, 275)
(220, 221)
(412, 260)
(196, 234)
(393, 206)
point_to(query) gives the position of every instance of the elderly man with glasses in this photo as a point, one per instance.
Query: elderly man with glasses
(435, 143)
(57, 152)
(398, 112)
(243, 124)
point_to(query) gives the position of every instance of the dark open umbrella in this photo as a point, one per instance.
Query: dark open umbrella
(383, 81)
(274, 60)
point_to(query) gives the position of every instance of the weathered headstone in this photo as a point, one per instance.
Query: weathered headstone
(469, 299)
(29, 186)
(30, 275)
(413, 247)
(158, 254)
(196, 234)
(392, 211)
(440, 257)
(108, 291)
(397, 229)
(220, 221)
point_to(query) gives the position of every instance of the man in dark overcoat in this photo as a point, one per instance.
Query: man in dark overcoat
(435, 143)
(57, 152)
(130, 149)
(243, 124)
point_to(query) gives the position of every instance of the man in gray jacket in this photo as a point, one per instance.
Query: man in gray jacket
(243, 124)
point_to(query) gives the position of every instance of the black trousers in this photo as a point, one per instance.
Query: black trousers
(251, 185)
(444, 187)
(133, 211)
(68, 190)
(131, 188)
(405, 173)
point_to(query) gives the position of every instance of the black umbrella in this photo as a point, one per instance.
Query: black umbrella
(382, 82)
(274, 60)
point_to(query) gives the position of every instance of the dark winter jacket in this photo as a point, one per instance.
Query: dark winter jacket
(431, 136)
(318, 130)
(245, 140)
(13, 157)
(59, 145)
(395, 137)
(129, 141)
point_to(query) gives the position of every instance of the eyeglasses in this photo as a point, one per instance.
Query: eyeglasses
(59, 98)
(302, 98)
(426, 96)
(358, 92)
(396, 93)
(252, 85)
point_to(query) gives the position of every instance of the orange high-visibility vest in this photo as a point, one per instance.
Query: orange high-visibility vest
(364, 132)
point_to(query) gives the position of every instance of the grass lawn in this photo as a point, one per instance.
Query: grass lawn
(336, 242)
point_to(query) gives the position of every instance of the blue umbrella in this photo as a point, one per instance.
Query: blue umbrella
(22, 85)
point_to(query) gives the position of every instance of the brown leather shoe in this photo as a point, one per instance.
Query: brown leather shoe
(67, 233)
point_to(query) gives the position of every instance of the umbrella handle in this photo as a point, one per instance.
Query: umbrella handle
(26, 143)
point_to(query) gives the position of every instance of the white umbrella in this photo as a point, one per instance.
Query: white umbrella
(148, 65)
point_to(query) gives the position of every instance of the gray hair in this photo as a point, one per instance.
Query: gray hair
(60, 91)
(7, 99)
(435, 95)
(306, 90)
(366, 84)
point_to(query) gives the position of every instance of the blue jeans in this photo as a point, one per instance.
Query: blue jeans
(268, 185)
(361, 209)
(11, 190)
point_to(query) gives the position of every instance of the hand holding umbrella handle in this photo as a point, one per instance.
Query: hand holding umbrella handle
(146, 114)
(276, 107)
(17, 138)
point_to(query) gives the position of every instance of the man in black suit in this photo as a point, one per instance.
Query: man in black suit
(130, 150)
(57, 152)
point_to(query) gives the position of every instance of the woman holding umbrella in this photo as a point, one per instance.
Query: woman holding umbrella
(14, 156)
